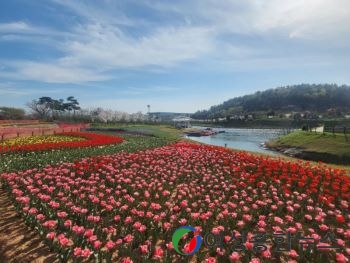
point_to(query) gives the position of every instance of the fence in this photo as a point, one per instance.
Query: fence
(14, 132)
(337, 129)
(19, 122)
(32, 132)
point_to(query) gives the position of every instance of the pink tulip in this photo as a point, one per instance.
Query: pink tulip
(158, 253)
(51, 235)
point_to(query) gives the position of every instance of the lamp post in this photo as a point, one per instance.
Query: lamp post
(149, 111)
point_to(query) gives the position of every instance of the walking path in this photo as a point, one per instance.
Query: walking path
(18, 243)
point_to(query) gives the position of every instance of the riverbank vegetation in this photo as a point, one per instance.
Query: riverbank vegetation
(326, 147)
(157, 130)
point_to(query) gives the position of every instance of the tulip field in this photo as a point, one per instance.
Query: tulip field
(103, 198)
(39, 140)
(64, 140)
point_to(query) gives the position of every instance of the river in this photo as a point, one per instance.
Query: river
(242, 139)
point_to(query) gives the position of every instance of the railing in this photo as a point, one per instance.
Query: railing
(10, 132)
(26, 132)
(337, 129)
(20, 122)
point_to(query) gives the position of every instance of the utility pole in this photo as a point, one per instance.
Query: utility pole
(149, 112)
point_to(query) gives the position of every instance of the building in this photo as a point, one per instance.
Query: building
(166, 117)
(182, 122)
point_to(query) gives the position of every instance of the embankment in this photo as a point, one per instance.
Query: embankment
(324, 147)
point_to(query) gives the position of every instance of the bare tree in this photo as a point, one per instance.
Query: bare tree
(41, 110)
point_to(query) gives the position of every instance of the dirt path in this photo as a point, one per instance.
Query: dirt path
(18, 243)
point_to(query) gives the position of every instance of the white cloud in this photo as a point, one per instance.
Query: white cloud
(98, 49)
(17, 26)
(20, 31)
(103, 11)
(13, 90)
(109, 48)
(51, 73)
(24, 28)
(311, 19)
(198, 30)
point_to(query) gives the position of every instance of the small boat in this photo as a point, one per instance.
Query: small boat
(208, 133)
(194, 134)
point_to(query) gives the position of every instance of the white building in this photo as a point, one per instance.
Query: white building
(182, 122)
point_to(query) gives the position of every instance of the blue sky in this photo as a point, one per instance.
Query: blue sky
(174, 55)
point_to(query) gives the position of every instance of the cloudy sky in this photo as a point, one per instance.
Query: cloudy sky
(179, 55)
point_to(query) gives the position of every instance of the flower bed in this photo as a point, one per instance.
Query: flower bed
(58, 141)
(128, 205)
(29, 140)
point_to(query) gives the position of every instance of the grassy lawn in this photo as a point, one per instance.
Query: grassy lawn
(326, 146)
(160, 131)
(316, 142)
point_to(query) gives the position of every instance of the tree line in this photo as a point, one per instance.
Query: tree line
(318, 98)
(10, 113)
(49, 108)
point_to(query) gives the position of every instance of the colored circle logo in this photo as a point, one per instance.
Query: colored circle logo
(194, 244)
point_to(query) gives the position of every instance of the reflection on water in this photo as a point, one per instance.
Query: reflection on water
(242, 139)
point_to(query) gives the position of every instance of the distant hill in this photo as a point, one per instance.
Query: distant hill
(316, 98)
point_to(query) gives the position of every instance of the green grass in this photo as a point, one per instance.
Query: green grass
(316, 142)
(160, 131)
(327, 147)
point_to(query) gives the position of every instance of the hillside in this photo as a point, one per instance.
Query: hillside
(328, 99)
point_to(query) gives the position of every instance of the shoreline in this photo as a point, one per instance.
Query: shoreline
(302, 154)
(311, 147)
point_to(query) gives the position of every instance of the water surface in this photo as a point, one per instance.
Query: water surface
(242, 139)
